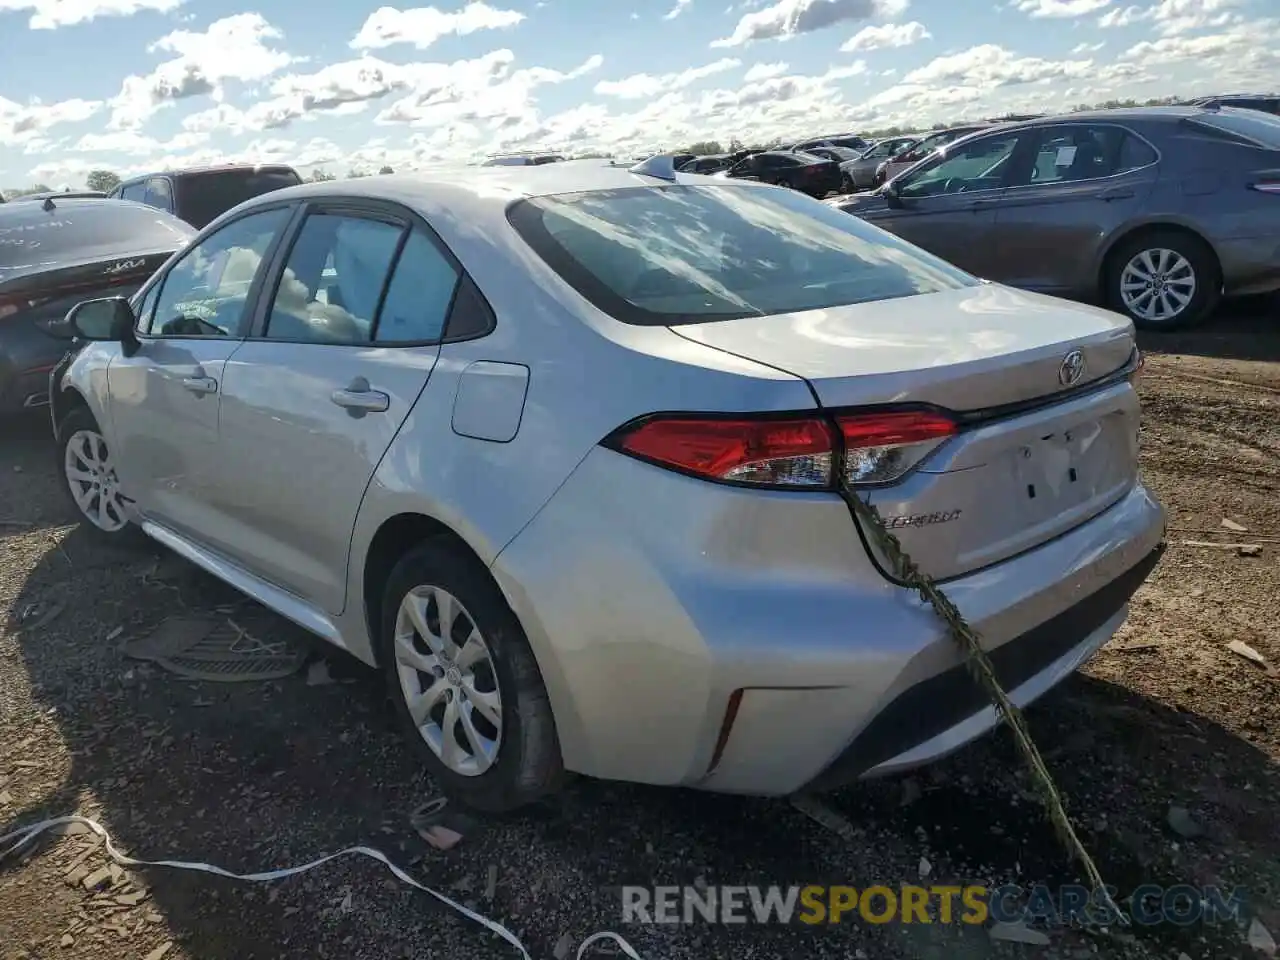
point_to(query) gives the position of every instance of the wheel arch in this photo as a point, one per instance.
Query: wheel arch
(62, 402)
(396, 536)
(1107, 256)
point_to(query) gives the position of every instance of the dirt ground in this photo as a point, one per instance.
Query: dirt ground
(259, 776)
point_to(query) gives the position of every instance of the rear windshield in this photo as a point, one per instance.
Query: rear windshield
(1262, 127)
(79, 231)
(690, 254)
(203, 197)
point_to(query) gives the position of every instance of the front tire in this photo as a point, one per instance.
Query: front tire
(90, 480)
(1163, 280)
(465, 683)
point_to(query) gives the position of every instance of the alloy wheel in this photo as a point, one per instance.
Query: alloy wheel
(92, 479)
(448, 680)
(1157, 285)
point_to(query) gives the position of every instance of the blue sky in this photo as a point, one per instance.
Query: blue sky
(131, 85)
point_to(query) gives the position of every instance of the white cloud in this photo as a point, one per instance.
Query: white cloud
(647, 85)
(764, 71)
(1060, 8)
(28, 125)
(51, 14)
(234, 47)
(680, 7)
(1172, 17)
(1086, 47)
(789, 18)
(888, 35)
(423, 26)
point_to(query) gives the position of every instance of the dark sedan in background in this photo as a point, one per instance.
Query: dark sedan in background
(816, 176)
(55, 253)
(1156, 212)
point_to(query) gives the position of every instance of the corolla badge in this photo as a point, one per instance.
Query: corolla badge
(124, 265)
(1071, 369)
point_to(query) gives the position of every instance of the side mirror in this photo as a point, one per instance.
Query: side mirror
(110, 319)
(893, 195)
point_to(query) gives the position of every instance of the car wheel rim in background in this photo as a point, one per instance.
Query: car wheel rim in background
(448, 680)
(92, 480)
(1157, 285)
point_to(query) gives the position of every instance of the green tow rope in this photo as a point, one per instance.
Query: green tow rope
(980, 667)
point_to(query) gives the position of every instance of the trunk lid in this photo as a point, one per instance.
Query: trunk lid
(1034, 456)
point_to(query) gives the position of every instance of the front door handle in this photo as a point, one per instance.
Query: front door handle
(200, 385)
(359, 398)
(1117, 193)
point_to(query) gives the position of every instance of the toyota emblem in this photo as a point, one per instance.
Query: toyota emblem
(1071, 369)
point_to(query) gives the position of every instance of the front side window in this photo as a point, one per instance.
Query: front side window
(979, 165)
(136, 192)
(333, 280)
(144, 309)
(688, 254)
(205, 293)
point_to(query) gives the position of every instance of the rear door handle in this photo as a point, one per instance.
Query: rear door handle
(1117, 193)
(200, 384)
(359, 398)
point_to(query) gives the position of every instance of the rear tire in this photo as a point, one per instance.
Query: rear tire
(1163, 280)
(465, 683)
(90, 481)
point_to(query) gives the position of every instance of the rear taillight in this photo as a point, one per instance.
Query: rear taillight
(1267, 185)
(766, 451)
(787, 452)
(881, 447)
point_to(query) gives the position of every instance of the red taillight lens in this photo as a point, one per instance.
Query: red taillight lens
(882, 447)
(770, 452)
(788, 452)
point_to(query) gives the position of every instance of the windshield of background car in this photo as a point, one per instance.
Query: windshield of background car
(691, 254)
(81, 231)
(1254, 124)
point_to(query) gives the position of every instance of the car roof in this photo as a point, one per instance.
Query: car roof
(213, 168)
(480, 185)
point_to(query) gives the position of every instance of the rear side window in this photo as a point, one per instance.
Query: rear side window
(159, 194)
(1079, 151)
(136, 192)
(203, 197)
(687, 254)
(1263, 128)
(419, 294)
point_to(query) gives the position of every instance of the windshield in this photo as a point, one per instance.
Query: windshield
(1254, 124)
(686, 254)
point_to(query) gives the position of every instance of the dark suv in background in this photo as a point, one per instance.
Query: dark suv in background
(201, 195)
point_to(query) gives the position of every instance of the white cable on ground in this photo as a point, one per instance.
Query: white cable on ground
(18, 839)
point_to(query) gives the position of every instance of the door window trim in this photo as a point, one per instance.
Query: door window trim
(162, 275)
(1040, 129)
(367, 208)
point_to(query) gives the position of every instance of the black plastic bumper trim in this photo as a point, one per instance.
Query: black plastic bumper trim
(933, 706)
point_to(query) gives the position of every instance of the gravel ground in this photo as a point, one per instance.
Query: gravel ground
(259, 776)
